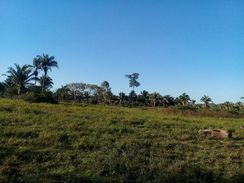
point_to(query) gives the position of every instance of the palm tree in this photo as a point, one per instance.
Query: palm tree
(45, 82)
(122, 97)
(46, 63)
(228, 105)
(238, 106)
(184, 99)
(143, 97)
(37, 67)
(168, 100)
(206, 100)
(154, 98)
(19, 77)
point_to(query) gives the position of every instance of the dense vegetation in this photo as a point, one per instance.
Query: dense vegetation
(97, 143)
(32, 83)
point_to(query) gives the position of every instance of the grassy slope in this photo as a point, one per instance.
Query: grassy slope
(71, 143)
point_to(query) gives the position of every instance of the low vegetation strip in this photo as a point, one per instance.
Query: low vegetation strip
(97, 143)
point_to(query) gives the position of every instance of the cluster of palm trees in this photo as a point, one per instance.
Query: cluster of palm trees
(20, 79)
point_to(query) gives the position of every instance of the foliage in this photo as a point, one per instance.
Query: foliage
(42, 97)
(62, 93)
(105, 92)
(37, 65)
(2, 89)
(45, 82)
(154, 98)
(19, 77)
(206, 100)
(133, 80)
(184, 99)
(45, 63)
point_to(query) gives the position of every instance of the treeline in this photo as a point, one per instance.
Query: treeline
(32, 83)
(94, 94)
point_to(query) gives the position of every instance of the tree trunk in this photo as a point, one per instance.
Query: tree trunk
(19, 90)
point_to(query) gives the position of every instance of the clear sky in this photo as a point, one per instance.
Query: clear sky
(177, 46)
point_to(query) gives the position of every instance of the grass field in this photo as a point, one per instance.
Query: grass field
(86, 143)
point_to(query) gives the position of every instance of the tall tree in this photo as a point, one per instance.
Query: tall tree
(228, 105)
(143, 97)
(133, 80)
(62, 92)
(122, 97)
(76, 90)
(206, 100)
(145, 94)
(46, 63)
(19, 77)
(37, 66)
(168, 100)
(184, 99)
(154, 98)
(132, 96)
(106, 91)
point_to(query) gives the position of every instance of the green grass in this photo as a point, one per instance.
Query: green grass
(86, 143)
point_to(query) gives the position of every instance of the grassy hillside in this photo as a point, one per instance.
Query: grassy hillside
(79, 143)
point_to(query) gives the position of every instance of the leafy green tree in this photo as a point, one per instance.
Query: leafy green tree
(133, 80)
(206, 100)
(62, 92)
(19, 77)
(76, 90)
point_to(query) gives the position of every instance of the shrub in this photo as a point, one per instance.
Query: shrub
(43, 97)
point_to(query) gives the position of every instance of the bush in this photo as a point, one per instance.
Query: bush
(10, 92)
(43, 97)
(185, 108)
(2, 89)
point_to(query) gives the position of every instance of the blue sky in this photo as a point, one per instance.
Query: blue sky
(177, 46)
